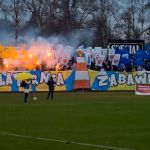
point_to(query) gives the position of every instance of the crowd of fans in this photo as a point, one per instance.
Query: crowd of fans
(70, 65)
(107, 66)
(131, 66)
(139, 61)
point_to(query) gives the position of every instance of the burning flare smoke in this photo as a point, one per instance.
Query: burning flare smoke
(39, 53)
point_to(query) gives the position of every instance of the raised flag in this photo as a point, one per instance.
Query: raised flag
(116, 60)
(99, 59)
(111, 54)
(65, 59)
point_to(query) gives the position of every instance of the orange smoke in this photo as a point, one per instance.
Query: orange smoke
(38, 54)
(22, 59)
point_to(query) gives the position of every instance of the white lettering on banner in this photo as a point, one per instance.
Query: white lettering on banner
(8, 79)
(34, 81)
(60, 80)
(141, 78)
(148, 76)
(132, 47)
(122, 78)
(102, 80)
(2, 82)
(113, 81)
(129, 79)
(44, 77)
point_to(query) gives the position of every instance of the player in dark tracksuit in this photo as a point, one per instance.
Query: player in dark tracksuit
(26, 90)
(51, 84)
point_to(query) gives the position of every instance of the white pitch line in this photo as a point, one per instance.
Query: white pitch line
(63, 141)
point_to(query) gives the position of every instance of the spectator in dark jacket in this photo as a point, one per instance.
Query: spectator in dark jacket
(51, 84)
(26, 90)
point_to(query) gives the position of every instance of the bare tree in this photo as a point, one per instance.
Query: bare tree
(107, 18)
(37, 10)
(103, 18)
(43, 13)
(14, 13)
(68, 14)
(84, 13)
(73, 14)
(143, 18)
(67, 20)
(133, 19)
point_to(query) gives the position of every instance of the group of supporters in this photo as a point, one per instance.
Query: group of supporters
(116, 59)
(68, 65)
(111, 59)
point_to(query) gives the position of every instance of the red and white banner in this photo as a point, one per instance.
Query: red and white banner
(99, 59)
(65, 59)
(111, 54)
(142, 89)
(116, 59)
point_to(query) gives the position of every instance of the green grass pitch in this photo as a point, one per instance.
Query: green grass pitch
(87, 120)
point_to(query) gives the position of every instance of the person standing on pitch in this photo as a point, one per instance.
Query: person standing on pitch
(51, 84)
(26, 90)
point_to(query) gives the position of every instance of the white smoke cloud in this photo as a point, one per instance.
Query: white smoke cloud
(48, 50)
